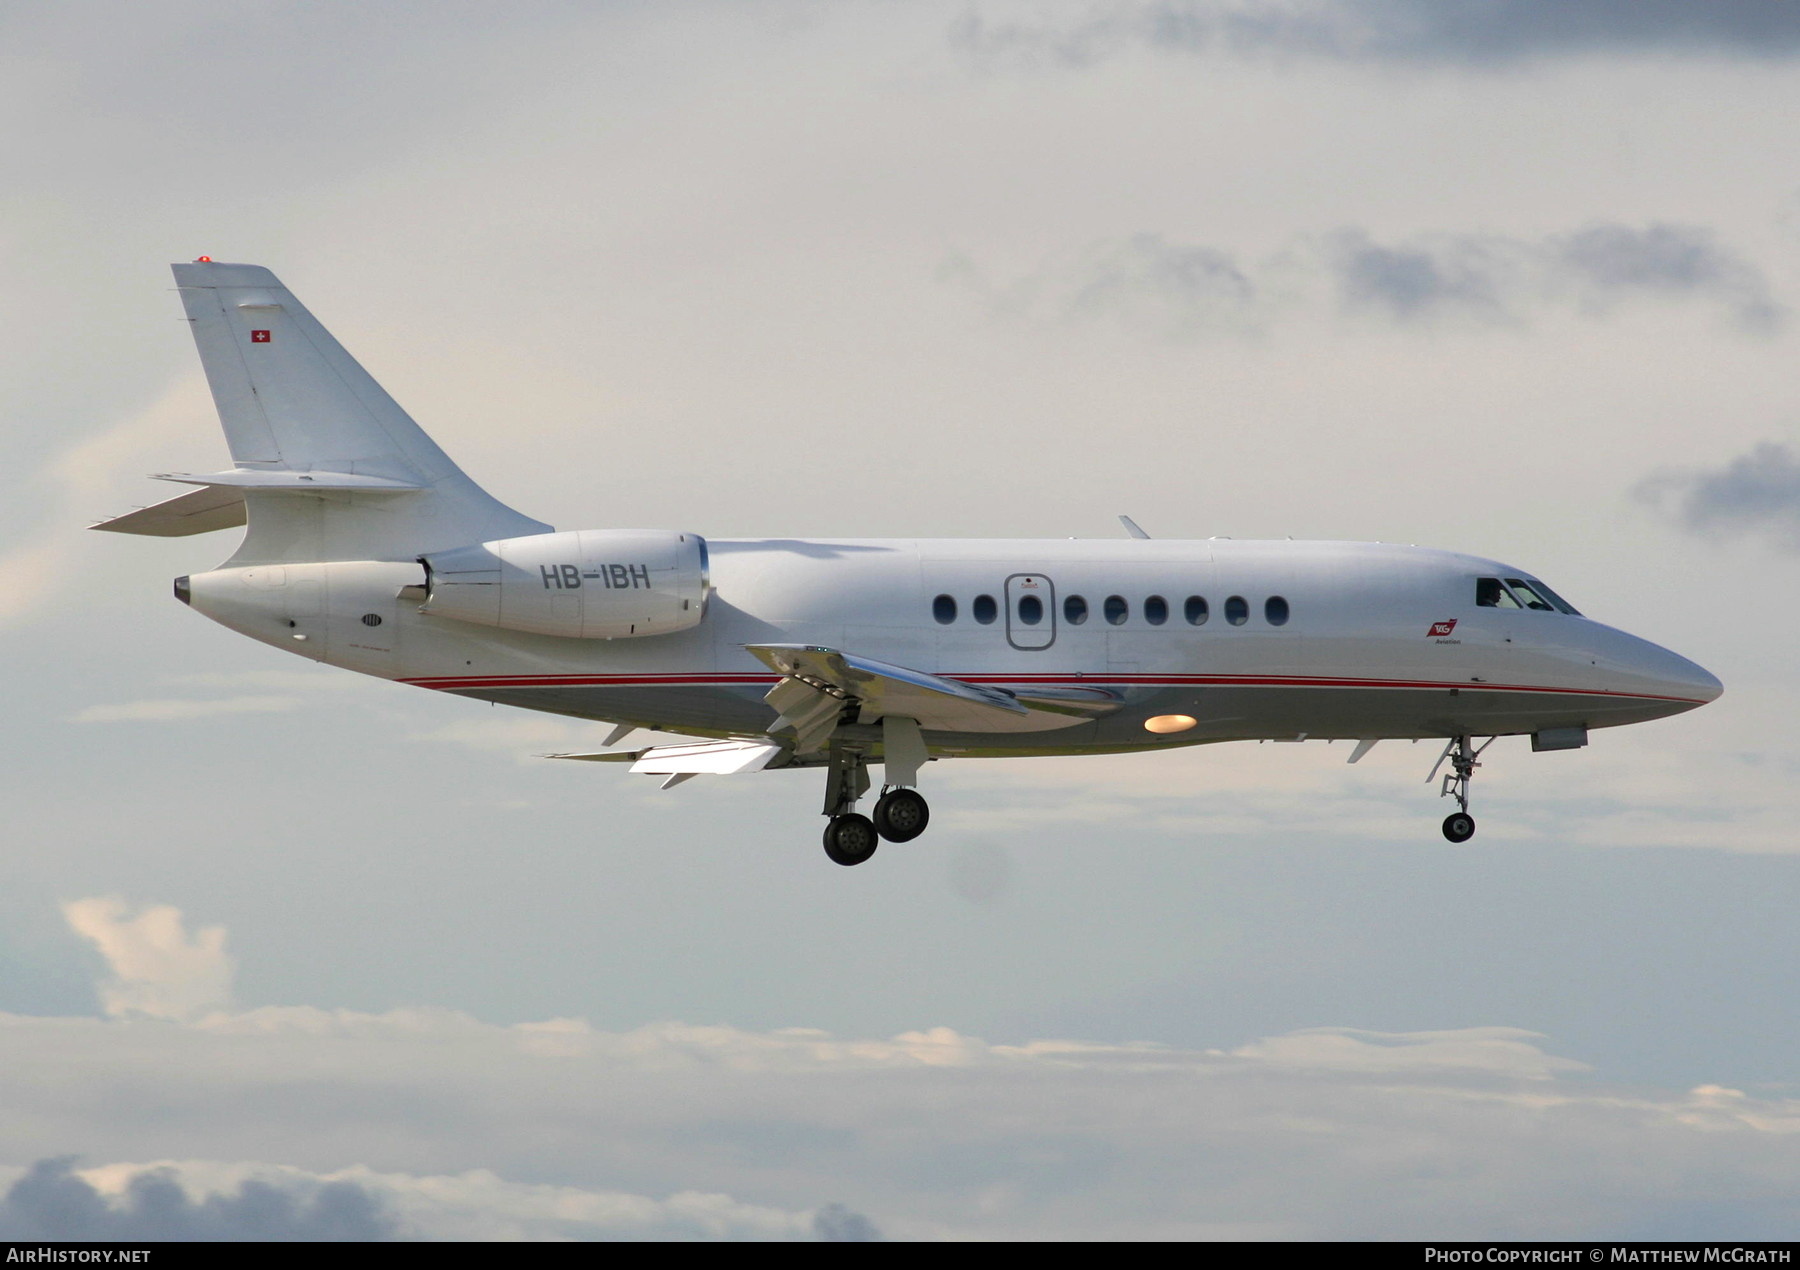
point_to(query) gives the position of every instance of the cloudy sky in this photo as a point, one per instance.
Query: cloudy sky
(286, 952)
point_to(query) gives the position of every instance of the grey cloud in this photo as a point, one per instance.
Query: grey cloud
(835, 1224)
(51, 1202)
(1491, 32)
(1149, 282)
(1148, 279)
(1612, 262)
(1507, 30)
(1411, 282)
(1061, 1139)
(1755, 493)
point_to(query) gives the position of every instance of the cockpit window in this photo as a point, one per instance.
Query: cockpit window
(1520, 593)
(1562, 605)
(1490, 594)
(1530, 598)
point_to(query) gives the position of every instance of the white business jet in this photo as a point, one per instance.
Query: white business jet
(369, 549)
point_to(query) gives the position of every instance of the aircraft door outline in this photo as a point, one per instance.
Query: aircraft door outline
(1030, 611)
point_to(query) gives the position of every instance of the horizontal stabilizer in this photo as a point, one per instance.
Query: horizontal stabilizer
(198, 511)
(282, 480)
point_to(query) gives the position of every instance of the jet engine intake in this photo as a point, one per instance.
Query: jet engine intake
(579, 584)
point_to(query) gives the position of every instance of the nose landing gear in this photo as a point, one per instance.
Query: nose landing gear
(1459, 826)
(1461, 753)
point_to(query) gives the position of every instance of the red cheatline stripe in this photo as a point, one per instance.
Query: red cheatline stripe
(451, 683)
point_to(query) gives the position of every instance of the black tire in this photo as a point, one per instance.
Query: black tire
(901, 815)
(1459, 826)
(850, 839)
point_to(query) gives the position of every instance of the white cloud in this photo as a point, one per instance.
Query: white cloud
(97, 477)
(158, 971)
(676, 1130)
(1470, 1133)
(1496, 1051)
(30, 574)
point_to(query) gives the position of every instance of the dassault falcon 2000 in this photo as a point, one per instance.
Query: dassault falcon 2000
(369, 549)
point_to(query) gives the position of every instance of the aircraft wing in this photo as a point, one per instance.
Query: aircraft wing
(819, 685)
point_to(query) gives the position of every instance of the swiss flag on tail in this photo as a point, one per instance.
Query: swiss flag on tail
(259, 337)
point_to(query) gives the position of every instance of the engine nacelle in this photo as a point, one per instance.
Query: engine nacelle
(582, 584)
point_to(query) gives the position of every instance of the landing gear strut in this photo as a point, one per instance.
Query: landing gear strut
(849, 837)
(1461, 753)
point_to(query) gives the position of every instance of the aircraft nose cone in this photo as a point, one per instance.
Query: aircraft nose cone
(1703, 683)
(1682, 678)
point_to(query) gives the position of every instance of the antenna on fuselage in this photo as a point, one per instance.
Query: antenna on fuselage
(1131, 527)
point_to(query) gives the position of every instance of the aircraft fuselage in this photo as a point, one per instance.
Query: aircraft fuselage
(1250, 639)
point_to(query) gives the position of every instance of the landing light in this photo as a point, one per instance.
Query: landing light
(1163, 724)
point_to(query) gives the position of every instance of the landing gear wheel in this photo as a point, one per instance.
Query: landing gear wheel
(1459, 826)
(901, 815)
(850, 839)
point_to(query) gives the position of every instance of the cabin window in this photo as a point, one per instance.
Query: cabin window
(1490, 594)
(1195, 610)
(984, 610)
(1074, 610)
(1237, 610)
(944, 609)
(1156, 610)
(1117, 610)
(1275, 611)
(1031, 610)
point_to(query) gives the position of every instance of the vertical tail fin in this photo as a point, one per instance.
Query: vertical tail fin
(292, 401)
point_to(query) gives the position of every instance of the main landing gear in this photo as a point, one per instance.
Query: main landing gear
(850, 838)
(1461, 753)
(901, 812)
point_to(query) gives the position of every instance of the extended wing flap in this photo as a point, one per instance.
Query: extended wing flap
(196, 512)
(818, 683)
(811, 709)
